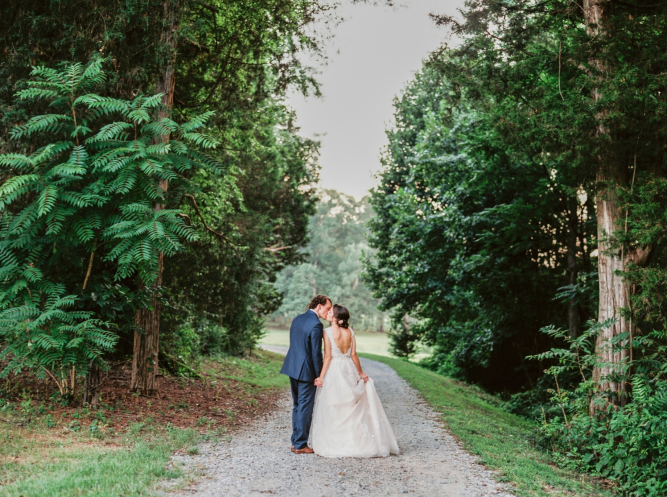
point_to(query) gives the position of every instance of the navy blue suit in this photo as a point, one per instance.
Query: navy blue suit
(303, 364)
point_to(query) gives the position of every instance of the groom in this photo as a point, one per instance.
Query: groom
(303, 364)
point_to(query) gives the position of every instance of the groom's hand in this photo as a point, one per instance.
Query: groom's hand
(318, 382)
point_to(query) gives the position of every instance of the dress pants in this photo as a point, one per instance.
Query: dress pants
(303, 397)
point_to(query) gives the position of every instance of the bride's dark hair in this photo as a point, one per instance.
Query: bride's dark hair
(341, 315)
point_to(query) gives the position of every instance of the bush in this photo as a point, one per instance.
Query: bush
(185, 346)
(628, 444)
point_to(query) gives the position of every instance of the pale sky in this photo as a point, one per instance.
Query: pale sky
(373, 54)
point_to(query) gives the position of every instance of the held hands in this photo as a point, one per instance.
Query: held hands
(318, 382)
(364, 377)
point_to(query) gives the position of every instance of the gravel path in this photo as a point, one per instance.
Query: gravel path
(258, 460)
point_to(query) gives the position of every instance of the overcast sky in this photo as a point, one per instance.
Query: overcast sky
(373, 54)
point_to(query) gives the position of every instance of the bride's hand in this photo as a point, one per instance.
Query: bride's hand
(318, 382)
(364, 377)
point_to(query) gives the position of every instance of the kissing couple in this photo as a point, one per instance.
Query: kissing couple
(337, 411)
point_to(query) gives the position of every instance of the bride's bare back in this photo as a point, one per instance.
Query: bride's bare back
(342, 338)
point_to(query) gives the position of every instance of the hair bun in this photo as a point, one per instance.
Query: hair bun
(342, 315)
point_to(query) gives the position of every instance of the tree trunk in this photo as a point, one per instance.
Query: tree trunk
(614, 296)
(146, 344)
(572, 268)
(91, 387)
(147, 337)
(614, 292)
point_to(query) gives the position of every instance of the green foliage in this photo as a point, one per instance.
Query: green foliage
(470, 233)
(49, 339)
(591, 98)
(229, 56)
(334, 263)
(624, 444)
(236, 59)
(644, 227)
(262, 210)
(86, 191)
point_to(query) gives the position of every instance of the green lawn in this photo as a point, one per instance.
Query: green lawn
(500, 440)
(367, 342)
(36, 462)
(47, 460)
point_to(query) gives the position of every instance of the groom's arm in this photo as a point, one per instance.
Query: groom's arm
(316, 347)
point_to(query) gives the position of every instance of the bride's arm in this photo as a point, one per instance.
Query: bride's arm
(327, 360)
(355, 359)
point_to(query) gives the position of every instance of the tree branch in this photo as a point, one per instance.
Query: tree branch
(277, 249)
(208, 228)
(90, 265)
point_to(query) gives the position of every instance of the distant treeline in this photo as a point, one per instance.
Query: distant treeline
(333, 264)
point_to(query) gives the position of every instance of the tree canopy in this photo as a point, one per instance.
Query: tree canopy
(224, 228)
(521, 208)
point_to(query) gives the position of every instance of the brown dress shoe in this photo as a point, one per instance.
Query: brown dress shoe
(292, 449)
(305, 450)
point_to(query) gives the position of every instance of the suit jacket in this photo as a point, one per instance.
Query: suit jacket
(304, 357)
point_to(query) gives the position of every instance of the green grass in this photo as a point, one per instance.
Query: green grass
(37, 462)
(44, 461)
(367, 342)
(500, 440)
(261, 371)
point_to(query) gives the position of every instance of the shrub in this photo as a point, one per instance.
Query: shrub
(628, 444)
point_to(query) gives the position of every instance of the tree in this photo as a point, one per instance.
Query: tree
(85, 192)
(147, 335)
(229, 57)
(586, 79)
(257, 219)
(470, 234)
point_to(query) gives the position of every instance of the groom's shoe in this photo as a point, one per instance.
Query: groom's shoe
(305, 450)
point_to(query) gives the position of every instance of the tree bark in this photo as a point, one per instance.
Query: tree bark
(614, 296)
(146, 344)
(613, 289)
(147, 336)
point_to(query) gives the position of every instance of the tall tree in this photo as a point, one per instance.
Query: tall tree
(588, 80)
(230, 57)
(147, 336)
(88, 189)
(257, 220)
(470, 234)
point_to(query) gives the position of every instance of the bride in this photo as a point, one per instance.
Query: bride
(348, 418)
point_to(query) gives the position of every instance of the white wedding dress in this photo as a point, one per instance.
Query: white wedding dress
(348, 418)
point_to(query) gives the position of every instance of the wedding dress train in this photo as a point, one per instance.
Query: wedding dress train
(348, 418)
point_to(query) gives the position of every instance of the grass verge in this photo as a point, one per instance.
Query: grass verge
(78, 452)
(37, 462)
(261, 372)
(500, 440)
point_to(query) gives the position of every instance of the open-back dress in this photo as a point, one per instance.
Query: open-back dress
(348, 418)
